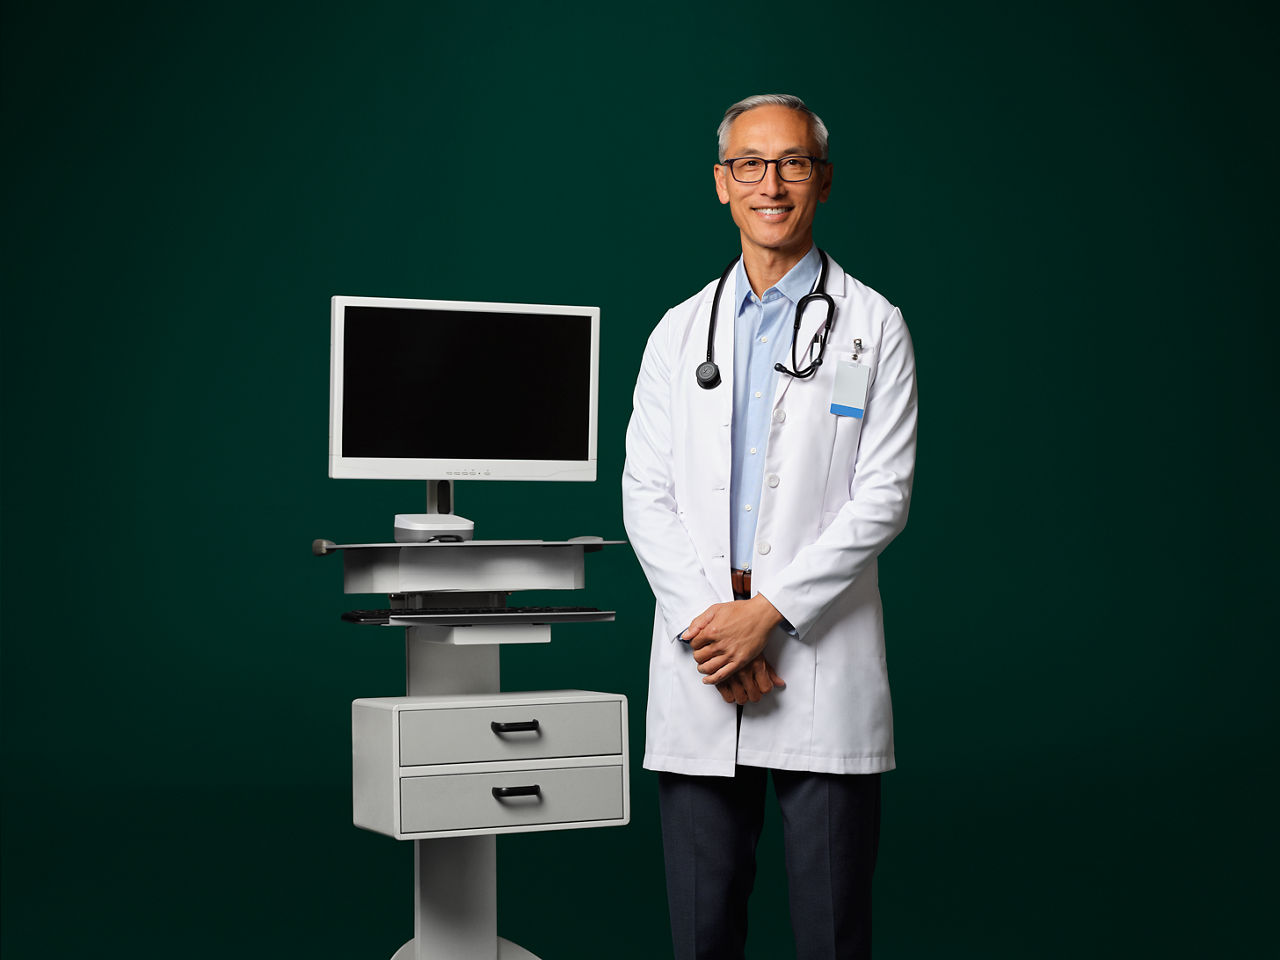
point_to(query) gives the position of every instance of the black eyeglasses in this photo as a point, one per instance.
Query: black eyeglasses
(752, 169)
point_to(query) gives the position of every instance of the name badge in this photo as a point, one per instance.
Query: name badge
(849, 394)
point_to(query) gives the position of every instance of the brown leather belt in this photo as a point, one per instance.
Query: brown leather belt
(741, 581)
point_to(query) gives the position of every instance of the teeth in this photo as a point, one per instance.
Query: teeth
(771, 211)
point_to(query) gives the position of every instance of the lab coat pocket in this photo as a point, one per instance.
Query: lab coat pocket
(844, 457)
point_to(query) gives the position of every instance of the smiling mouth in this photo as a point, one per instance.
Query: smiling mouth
(772, 211)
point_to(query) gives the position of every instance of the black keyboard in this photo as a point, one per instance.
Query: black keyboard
(463, 616)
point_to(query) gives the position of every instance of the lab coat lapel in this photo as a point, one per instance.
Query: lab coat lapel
(728, 314)
(711, 416)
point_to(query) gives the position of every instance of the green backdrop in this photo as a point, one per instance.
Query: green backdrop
(1074, 205)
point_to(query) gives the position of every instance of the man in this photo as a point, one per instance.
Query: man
(758, 506)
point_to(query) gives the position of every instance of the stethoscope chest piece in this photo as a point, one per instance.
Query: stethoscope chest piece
(708, 375)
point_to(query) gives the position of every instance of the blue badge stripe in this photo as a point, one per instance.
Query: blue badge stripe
(840, 410)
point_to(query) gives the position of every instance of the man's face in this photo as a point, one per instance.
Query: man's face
(774, 215)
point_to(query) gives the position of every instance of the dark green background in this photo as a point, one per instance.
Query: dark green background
(1073, 205)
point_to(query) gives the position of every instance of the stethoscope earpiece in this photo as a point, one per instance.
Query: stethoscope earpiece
(708, 373)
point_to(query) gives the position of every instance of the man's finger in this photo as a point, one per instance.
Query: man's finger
(700, 638)
(705, 617)
(773, 675)
(706, 651)
(760, 676)
(748, 682)
(726, 671)
(714, 664)
(696, 625)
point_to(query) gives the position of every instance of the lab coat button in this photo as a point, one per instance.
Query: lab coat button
(772, 480)
(779, 416)
(762, 547)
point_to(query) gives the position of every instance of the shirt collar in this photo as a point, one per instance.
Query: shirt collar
(798, 282)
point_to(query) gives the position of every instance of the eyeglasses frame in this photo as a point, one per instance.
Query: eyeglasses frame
(729, 162)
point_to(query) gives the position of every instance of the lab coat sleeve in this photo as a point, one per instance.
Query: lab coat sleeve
(649, 509)
(879, 494)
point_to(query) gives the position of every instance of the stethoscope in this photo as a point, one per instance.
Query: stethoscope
(708, 373)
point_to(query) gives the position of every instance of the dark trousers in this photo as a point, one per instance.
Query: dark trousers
(831, 831)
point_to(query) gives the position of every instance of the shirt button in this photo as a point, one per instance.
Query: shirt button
(757, 394)
(747, 507)
(753, 451)
(772, 480)
(764, 339)
(779, 416)
(762, 547)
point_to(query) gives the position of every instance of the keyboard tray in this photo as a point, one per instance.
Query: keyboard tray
(458, 617)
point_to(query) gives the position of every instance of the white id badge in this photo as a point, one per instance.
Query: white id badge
(849, 394)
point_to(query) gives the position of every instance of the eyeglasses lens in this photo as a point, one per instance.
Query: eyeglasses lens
(752, 169)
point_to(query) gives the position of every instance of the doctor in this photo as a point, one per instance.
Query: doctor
(757, 507)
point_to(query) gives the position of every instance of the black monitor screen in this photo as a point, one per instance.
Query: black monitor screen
(455, 384)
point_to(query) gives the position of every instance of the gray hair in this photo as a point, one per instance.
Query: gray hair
(772, 100)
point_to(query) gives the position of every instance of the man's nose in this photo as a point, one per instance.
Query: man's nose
(772, 182)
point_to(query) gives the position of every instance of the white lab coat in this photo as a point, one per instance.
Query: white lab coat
(836, 491)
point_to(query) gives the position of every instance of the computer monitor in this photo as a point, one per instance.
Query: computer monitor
(449, 390)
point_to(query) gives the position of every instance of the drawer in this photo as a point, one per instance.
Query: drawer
(465, 801)
(465, 734)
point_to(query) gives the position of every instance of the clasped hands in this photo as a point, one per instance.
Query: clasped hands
(728, 643)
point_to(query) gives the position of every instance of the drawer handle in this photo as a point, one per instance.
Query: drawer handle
(518, 726)
(501, 793)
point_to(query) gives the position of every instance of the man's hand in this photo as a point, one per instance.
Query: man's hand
(727, 636)
(751, 683)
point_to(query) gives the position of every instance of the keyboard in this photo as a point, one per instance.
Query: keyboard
(463, 616)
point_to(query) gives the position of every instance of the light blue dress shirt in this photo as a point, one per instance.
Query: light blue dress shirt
(762, 331)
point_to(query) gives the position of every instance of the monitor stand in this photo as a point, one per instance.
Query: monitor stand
(438, 522)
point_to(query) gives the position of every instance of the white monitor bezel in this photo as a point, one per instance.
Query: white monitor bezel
(371, 468)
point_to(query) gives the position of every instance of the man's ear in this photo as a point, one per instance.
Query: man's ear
(721, 173)
(827, 172)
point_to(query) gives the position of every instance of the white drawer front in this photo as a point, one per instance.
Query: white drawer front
(466, 801)
(466, 735)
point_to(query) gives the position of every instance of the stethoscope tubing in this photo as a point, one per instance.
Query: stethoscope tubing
(708, 374)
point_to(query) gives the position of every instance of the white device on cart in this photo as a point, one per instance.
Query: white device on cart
(445, 390)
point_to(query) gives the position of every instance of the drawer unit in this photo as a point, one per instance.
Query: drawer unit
(548, 798)
(438, 766)
(527, 731)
